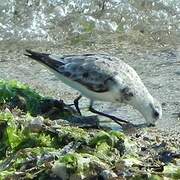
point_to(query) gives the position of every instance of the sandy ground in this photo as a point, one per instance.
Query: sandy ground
(159, 69)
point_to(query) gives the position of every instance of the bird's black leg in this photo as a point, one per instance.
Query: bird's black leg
(76, 104)
(115, 119)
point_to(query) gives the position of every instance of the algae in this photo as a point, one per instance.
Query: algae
(70, 152)
(12, 91)
(14, 94)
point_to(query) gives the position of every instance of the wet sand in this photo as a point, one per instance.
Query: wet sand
(158, 68)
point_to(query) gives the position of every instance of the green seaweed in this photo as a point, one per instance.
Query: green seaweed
(78, 165)
(68, 134)
(109, 146)
(176, 174)
(5, 174)
(172, 171)
(17, 137)
(71, 161)
(14, 94)
(34, 140)
(11, 91)
(12, 135)
(26, 152)
(155, 177)
(111, 138)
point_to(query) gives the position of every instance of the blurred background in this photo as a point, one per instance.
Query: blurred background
(88, 21)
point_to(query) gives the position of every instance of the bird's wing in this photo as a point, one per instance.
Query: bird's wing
(90, 70)
(93, 75)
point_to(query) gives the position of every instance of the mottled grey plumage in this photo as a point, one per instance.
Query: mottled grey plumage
(91, 71)
(102, 77)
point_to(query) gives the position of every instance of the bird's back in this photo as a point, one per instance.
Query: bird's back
(96, 72)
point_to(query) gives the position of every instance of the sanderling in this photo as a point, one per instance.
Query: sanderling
(101, 77)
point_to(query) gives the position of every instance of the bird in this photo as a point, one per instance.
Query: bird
(102, 77)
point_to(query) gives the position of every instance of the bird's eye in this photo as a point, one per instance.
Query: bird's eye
(127, 92)
(131, 94)
(156, 114)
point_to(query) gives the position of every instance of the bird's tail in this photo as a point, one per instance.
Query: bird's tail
(36, 55)
(45, 59)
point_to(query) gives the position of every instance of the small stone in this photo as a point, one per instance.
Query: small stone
(7, 110)
(36, 124)
(60, 170)
(108, 174)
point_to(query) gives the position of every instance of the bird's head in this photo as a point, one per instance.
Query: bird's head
(142, 100)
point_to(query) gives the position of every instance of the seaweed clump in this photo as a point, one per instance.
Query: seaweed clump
(38, 147)
(14, 94)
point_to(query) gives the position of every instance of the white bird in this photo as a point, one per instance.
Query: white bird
(101, 77)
